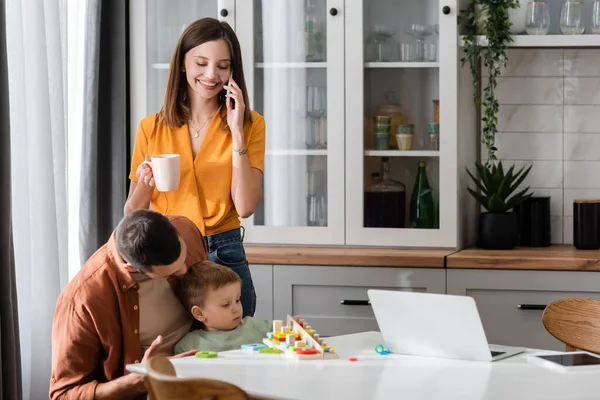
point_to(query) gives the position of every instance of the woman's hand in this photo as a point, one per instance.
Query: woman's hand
(144, 174)
(235, 116)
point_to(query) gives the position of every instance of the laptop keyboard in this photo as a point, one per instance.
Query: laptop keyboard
(497, 353)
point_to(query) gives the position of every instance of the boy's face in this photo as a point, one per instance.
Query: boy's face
(222, 309)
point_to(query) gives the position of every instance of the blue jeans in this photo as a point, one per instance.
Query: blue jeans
(226, 248)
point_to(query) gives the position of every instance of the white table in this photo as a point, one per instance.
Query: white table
(389, 377)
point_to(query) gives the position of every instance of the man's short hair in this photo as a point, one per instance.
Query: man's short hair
(146, 238)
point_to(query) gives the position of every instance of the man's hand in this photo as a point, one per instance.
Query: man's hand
(185, 354)
(130, 385)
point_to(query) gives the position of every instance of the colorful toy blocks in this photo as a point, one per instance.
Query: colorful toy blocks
(298, 340)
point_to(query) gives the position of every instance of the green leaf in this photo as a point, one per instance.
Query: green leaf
(488, 179)
(497, 204)
(518, 198)
(504, 189)
(519, 178)
(478, 183)
(480, 198)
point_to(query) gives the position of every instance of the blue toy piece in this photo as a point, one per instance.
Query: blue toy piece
(270, 335)
(253, 346)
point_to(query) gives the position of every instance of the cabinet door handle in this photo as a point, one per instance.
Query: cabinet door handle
(333, 12)
(446, 10)
(539, 307)
(224, 12)
(356, 302)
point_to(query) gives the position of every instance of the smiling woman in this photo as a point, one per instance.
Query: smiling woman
(221, 143)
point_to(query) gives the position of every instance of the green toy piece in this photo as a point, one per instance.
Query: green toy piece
(206, 354)
(270, 351)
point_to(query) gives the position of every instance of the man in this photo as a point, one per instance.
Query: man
(120, 308)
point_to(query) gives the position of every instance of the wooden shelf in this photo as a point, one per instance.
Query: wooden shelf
(292, 65)
(548, 41)
(300, 152)
(393, 64)
(400, 153)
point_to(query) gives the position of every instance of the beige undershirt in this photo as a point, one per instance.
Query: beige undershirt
(161, 313)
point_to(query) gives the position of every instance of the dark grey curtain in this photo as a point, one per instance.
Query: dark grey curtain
(105, 128)
(10, 362)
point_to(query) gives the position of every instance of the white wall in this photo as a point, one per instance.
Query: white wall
(550, 115)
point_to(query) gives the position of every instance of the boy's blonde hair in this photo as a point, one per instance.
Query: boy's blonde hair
(200, 279)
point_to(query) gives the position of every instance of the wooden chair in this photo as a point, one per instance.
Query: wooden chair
(575, 322)
(163, 384)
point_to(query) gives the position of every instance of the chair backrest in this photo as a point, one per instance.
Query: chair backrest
(163, 384)
(575, 322)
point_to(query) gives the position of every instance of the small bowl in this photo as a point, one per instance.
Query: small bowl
(433, 128)
(383, 119)
(405, 129)
(382, 128)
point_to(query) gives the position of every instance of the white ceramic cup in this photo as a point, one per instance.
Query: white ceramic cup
(166, 170)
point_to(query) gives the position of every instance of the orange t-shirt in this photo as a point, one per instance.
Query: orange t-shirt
(204, 192)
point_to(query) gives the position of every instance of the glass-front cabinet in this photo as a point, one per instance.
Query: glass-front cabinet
(361, 102)
(401, 107)
(294, 66)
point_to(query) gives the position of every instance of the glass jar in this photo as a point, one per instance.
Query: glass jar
(385, 200)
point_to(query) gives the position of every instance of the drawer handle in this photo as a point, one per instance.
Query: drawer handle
(539, 307)
(356, 302)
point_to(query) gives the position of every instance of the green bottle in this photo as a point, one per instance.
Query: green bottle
(422, 208)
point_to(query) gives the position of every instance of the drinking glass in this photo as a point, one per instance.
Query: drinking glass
(537, 21)
(571, 20)
(596, 18)
(316, 101)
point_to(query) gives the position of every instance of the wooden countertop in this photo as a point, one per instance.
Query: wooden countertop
(556, 257)
(345, 256)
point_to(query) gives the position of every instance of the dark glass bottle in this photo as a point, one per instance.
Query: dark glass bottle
(422, 207)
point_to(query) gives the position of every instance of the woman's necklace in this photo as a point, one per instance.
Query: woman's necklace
(197, 131)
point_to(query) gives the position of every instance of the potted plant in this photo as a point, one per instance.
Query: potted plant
(499, 225)
(497, 33)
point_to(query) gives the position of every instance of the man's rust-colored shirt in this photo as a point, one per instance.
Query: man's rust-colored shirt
(95, 331)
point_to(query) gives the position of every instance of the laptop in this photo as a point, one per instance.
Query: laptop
(434, 325)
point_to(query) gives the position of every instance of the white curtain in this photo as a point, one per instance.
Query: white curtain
(37, 53)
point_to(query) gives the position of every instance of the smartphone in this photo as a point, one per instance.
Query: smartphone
(227, 99)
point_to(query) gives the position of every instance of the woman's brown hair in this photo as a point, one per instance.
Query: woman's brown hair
(176, 107)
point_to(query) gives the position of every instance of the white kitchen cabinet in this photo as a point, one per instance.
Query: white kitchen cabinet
(262, 276)
(511, 303)
(316, 73)
(334, 299)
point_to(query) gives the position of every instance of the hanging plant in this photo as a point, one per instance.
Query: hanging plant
(490, 17)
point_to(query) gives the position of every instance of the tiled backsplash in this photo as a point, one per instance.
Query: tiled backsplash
(550, 116)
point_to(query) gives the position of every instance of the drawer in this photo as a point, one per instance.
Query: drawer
(510, 303)
(506, 323)
(334, 299)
